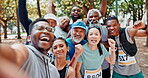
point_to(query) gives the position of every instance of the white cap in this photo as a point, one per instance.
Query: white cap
(50, 16)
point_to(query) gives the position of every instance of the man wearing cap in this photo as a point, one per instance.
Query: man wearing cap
(76, 41)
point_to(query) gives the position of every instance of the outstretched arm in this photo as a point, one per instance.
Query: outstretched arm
(16, 54)
(23, 15)
(50, 6)
(103, 7)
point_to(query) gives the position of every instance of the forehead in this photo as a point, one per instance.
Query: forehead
(112, 22)
(92, 13)
(57, 42)
(51, 20)
(93, 30)
(41, 23)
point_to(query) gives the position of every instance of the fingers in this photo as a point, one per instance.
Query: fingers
(111, 42)
(139, 25)
(79, 49)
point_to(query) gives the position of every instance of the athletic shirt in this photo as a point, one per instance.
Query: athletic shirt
(64, 71)
(91, 60)
(37, 65)
(60, 33)
(126, 69)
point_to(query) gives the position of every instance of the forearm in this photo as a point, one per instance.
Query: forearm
(50, 6)
(78, 75)
(73, 62)
(103, 7)
(23, 15)
(112, 57)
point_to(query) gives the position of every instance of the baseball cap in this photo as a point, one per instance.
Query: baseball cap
(79, 24)
(50, 16)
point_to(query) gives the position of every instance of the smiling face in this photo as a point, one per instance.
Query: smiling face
(60, 49)
(113, 27)
(77, 34)
(93, 17)
(93, 36)
(75, 13)
(52, 22)
(64, 22)
(41, 36)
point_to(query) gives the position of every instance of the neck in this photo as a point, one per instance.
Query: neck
(92, 47)
(60, 63)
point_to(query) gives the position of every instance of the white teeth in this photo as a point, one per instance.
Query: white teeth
(94, 41)
(45, 38)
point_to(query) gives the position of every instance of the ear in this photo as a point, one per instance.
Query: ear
(29, 38)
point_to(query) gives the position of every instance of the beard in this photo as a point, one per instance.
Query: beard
(76, 18)
(76, 40)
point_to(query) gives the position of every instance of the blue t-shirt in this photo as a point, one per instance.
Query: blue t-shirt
(72, 47)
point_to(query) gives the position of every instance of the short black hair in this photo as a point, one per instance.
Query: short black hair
(31, 26)
(111, 17)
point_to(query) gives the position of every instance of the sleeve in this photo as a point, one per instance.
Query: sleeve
(128, 36)
(105, 52)
(23, 15)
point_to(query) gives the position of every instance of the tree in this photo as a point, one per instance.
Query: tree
(7, 13)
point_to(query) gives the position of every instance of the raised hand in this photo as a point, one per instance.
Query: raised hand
(139, 25)
(111, 43)
(79, 49)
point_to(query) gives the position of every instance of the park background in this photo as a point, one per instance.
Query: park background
(127, 11)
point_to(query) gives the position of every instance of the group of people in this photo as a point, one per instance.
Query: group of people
(73, 48)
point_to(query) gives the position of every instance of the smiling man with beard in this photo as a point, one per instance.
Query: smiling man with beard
(77, 37)
(31, 59)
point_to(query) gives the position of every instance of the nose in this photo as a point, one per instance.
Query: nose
(58, 49)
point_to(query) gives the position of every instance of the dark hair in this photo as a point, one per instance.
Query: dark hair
(99, 44)
(60, 38)
(31, 26)
(111, 17)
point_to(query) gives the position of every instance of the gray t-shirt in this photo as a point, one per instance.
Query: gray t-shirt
(91, 60)
(126, 69)
(38, 66)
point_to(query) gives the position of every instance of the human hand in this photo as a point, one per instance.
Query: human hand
(78, 50)
(111, 43)
(139, 25)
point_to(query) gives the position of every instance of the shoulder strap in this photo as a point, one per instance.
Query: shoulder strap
(130, 49)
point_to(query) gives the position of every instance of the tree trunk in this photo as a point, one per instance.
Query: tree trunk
(5, 30)
(38, 6)
(18, 25)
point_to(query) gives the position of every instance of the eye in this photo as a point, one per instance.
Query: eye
(54, 47)
(61, 45)
(50, 29)
(40, 27)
